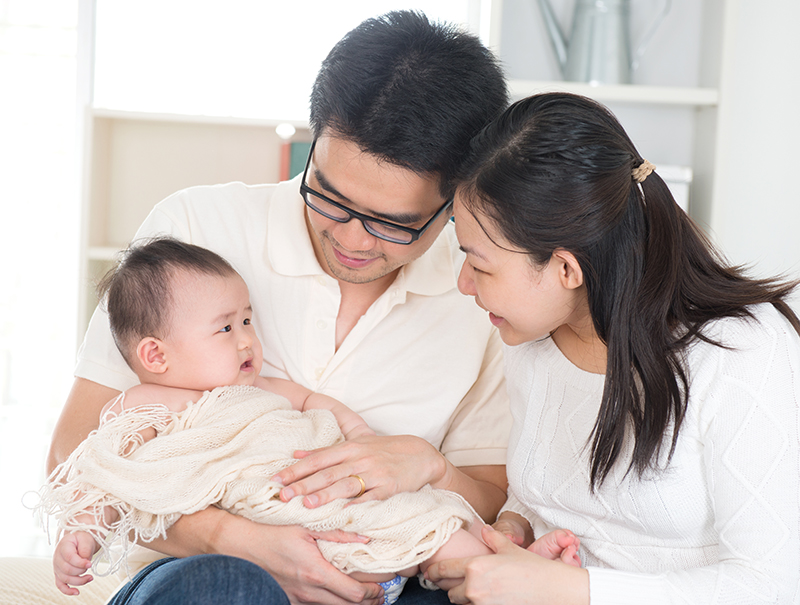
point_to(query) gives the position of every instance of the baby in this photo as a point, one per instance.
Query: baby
(182, 319)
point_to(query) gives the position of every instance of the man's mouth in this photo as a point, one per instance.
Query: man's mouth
(353, 263)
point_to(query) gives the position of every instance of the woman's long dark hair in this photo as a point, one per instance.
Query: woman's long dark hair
(555, 171)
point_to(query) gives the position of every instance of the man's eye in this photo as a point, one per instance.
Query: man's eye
(226, 329)
(247, 321)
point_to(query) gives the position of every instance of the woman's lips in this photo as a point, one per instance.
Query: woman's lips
(496, 321)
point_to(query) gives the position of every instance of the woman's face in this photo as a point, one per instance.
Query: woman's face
(525, 302)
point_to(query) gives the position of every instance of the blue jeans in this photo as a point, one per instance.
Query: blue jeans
(215, 579)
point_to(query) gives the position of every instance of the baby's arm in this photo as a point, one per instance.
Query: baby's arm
(71, 559)
(175, 400)
(301, 398)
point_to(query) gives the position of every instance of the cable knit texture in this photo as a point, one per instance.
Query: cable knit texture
(721, 522)
(223, 450)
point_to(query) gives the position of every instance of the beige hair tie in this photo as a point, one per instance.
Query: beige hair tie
(643, 171)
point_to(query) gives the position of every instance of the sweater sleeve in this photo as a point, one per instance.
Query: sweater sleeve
(747, 399)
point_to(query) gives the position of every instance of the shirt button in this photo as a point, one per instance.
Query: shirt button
(321, 324)
(318, 372)
(320, 280)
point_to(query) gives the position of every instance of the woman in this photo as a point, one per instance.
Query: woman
(655, 390)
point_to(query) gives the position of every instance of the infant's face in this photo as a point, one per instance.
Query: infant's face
(212, 341)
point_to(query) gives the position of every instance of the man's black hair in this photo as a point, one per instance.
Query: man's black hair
(409, 91)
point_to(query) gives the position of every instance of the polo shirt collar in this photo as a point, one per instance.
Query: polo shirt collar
(291, 253)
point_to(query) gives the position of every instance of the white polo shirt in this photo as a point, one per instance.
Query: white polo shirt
(423, 360)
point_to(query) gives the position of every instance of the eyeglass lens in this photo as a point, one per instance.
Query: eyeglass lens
(337, 214)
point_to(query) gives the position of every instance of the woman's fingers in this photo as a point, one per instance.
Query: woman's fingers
(448, 569)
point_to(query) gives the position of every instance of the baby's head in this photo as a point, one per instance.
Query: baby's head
(181, 316)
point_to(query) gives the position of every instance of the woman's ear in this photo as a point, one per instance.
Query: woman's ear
(151, 353)
(569, 269)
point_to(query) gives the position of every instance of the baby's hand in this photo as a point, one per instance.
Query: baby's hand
(71, 559)
(512, 529)
(560, 544)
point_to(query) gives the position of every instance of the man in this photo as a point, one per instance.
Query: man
(352, 275)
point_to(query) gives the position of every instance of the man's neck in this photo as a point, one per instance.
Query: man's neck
(356, 300)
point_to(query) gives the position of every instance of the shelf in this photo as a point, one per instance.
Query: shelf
(103, 253)
(622, 93)
(117, 114)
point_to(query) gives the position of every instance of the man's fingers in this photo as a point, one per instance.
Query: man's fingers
(343, 590)
(338, 535)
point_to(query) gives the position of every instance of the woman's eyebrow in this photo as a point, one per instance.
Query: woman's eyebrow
(400, 218)
(473, 252)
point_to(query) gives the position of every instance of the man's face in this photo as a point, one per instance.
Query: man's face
(361, 182)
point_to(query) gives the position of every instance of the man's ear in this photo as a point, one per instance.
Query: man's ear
(569, 269)
(152, 355)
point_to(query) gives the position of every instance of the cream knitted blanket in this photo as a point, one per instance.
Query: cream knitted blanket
(222, 451)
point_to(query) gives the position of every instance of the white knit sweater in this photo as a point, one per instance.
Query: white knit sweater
(722, 523)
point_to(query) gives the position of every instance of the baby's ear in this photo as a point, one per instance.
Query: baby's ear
(152, 355)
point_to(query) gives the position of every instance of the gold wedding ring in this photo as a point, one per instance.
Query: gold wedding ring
(363, 486)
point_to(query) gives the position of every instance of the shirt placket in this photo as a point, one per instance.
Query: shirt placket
(320, 334)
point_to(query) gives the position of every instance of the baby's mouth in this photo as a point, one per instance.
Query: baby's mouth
(247, 365)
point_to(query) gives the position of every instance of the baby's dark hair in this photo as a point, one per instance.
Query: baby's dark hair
(137, 292)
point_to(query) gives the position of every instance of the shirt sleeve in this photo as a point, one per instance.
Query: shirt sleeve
(748, 403)
(479, 429)
(99, 360)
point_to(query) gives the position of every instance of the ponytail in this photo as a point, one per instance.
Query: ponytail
(558, 171)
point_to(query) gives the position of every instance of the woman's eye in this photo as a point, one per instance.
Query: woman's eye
(226, 329)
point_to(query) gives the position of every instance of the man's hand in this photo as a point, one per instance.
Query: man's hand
(289, 553)
(515, 527)
(387, 465)
(306, 577)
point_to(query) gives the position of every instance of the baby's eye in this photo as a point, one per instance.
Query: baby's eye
(226, 329)
(247, 321)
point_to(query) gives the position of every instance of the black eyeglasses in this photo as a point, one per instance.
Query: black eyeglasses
(390, 232)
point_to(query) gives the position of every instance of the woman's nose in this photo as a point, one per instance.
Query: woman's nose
(465, 284)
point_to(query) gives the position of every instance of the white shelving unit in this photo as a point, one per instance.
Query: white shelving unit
(672, 109)
(672, 113)
(134, 160)
(627, 93)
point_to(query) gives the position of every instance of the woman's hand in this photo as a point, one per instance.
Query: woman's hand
(387, 465)
(512, 576)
